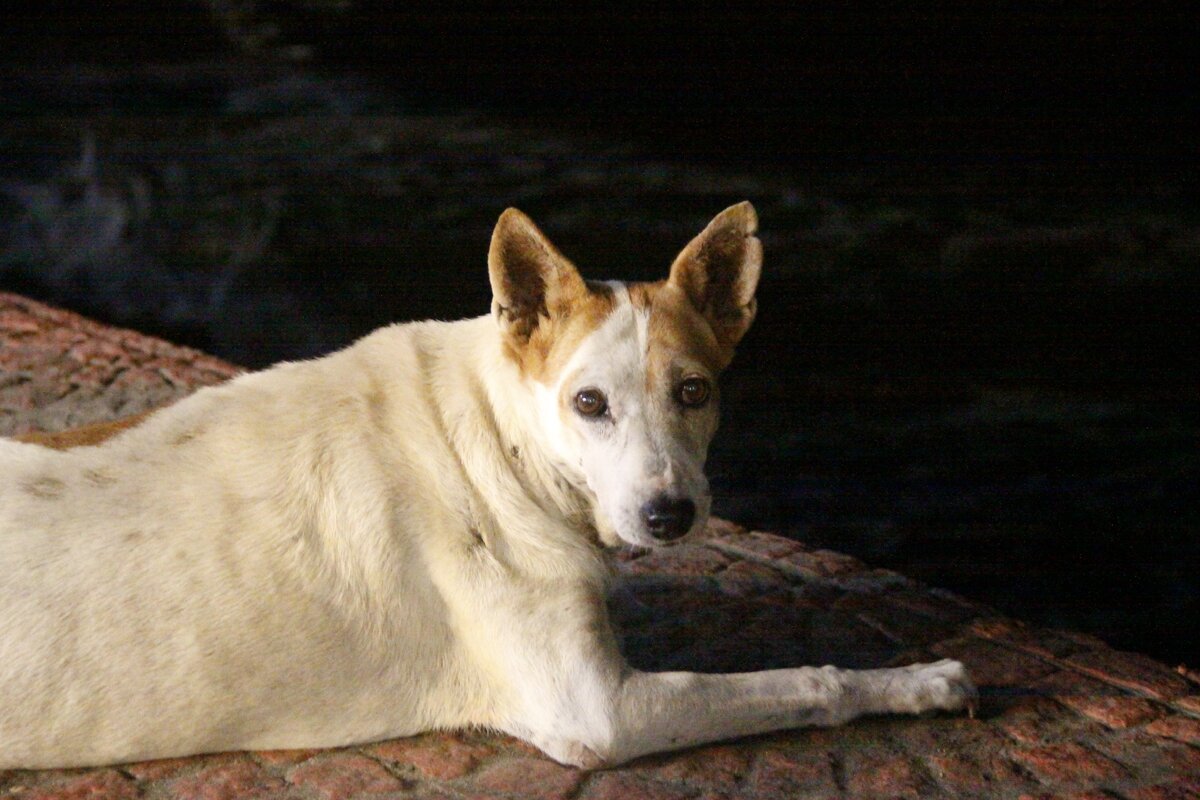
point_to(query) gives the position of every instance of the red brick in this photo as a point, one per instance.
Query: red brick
(629, 785)
(442, 756)
(530, 777)
(509, 744)
(344, 775)
(284, 758)
(1092, 794)
(681, 560)
(1112, 711)
(227, 781)
(103, 784)
(1180, 758)
(750, 579)
(719, 767)
(897, 623)
(897, 776)
(1097, 700)
(822, 563)
(1184, 729)
(807, 771)
(1182, 788)
(974, 773)
(1039, 642)
(762, 545)
(1036, 720)
(935, 603)
(722, 527)
(1070, 763)
(1189, 703)
(159, 768)
(1131, 670)
(1087, 794)
(990, 664)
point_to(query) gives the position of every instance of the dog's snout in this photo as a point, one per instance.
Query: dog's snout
(668, 518)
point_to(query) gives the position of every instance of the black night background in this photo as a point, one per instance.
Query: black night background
(974, 360)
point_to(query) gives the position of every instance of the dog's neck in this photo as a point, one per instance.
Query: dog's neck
(547, 513)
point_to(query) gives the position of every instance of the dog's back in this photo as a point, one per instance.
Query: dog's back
(230, 554)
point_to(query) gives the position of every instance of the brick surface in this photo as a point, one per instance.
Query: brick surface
(757, 545)
(1062, 715)
(228, 781)
(1181, 788)
(340, 776)
(103, 784)
(991, 664)
(1104, 703)
(632, 786)
(1037, 720)
(1133, 670)
(812, 772)
(1052, 645)
(1184, 729)
(1070, 763)
(1181, 758)
(678, 561)
(746, 578)
(537, 778)
(977, 774)
(59, 370)
(717, 767)
(284, 757)
(160, 768)
(886, 776)
(441, 755)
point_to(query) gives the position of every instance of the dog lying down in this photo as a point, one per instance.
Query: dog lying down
(406, 535)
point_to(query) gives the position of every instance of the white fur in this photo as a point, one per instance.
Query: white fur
(398, 537)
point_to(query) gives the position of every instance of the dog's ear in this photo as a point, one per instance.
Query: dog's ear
(531, 280)
(719, 271)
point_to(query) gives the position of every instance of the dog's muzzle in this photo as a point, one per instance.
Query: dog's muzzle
(668, 518)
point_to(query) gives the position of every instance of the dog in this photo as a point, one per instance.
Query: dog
(406, 535)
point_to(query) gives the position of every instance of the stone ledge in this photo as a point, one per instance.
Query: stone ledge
(1062, 714)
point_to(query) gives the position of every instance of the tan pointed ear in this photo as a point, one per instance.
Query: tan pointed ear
(719, 272)
(531, 281)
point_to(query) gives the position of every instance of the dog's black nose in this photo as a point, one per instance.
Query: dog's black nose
(667, 518)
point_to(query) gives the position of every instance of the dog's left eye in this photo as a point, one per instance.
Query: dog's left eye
(693, 392)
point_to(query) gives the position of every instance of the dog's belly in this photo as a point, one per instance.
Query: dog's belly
(140, 637)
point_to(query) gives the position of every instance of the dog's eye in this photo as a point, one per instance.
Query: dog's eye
(693, 392)
(591, 402)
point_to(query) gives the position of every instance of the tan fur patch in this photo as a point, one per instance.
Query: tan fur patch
(557, 336)
(85, 435)
(675, 326)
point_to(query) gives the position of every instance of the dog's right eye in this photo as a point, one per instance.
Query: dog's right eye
(591, 402)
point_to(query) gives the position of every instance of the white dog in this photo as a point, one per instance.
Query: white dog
(406, 535)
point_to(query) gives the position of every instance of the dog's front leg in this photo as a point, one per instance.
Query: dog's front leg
(671, 710)
(564, 687)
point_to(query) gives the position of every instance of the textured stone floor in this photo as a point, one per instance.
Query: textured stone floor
(1062, 714)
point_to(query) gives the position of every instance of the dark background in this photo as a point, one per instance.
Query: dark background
(974, 360)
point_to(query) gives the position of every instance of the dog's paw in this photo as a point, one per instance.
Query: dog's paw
(940, 686)
(570, 753)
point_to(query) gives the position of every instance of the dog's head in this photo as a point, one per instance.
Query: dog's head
(625, 376)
